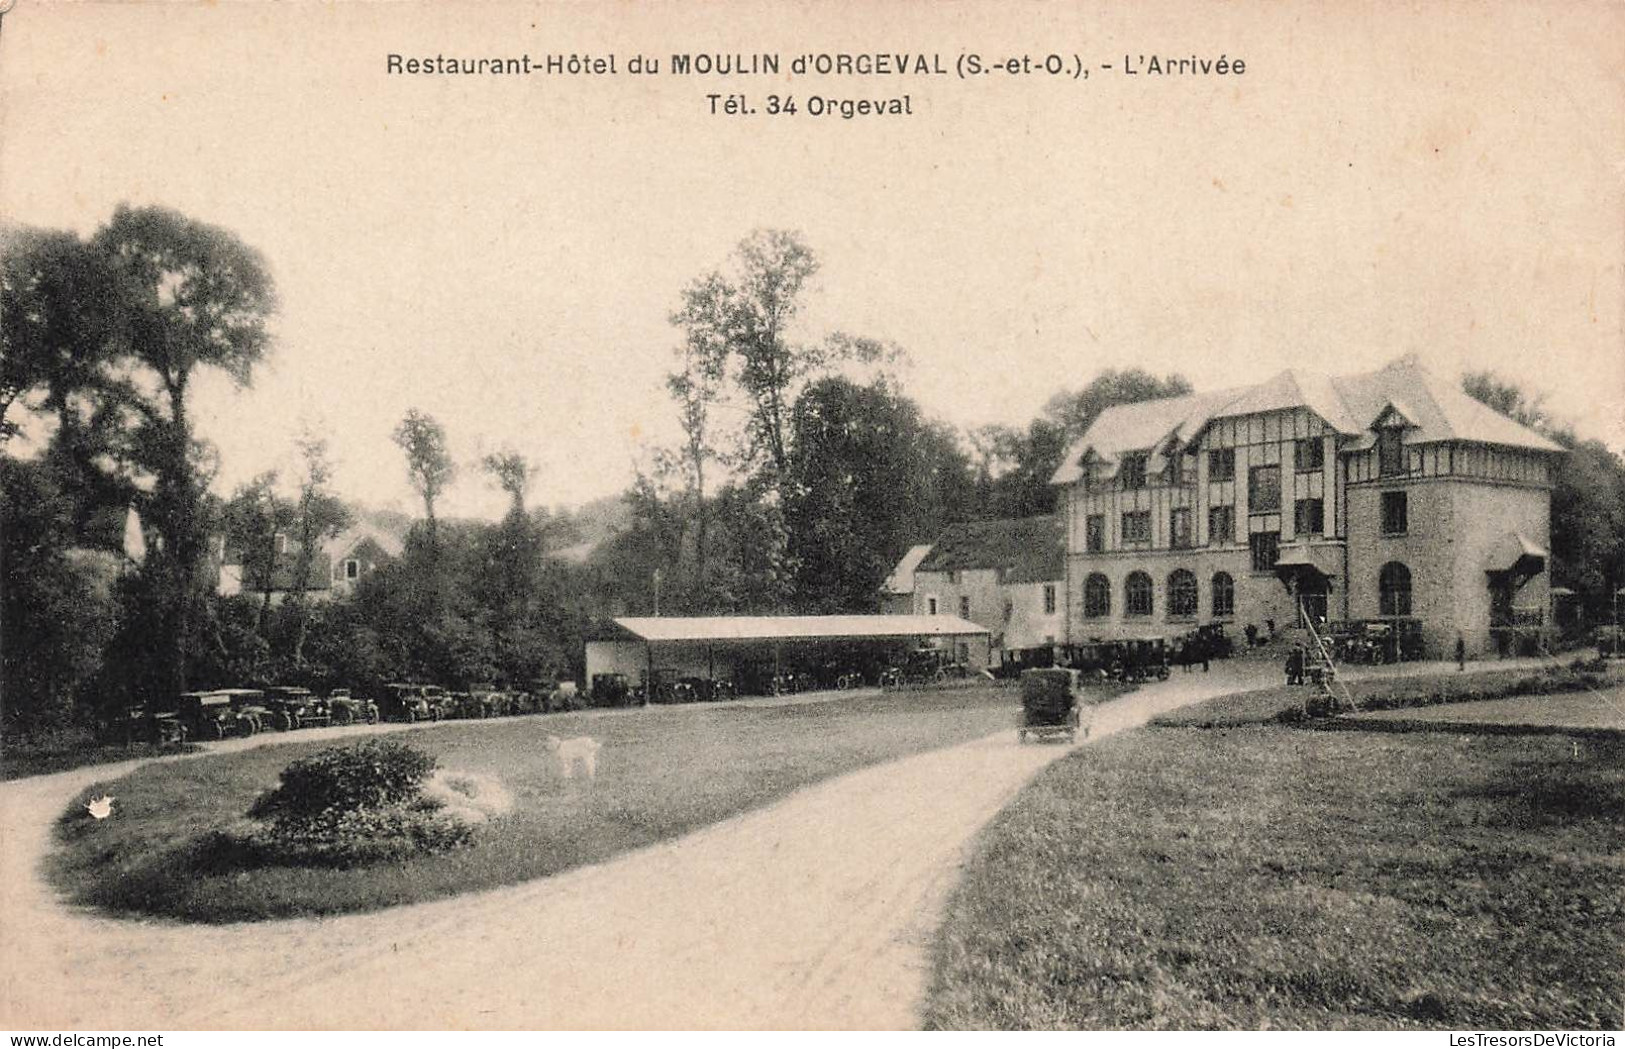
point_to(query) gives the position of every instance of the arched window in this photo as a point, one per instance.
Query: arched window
(1137, 594)
(1394, 589)
(1097, 596)
(1224, 594)
(1181, 594)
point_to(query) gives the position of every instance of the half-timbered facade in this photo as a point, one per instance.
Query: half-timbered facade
(1387, 495)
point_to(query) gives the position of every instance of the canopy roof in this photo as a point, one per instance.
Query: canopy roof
(793, 628)
(1516, 551)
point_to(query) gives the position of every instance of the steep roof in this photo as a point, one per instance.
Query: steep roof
(350, 538)
(1437, 409)
(901, 580)
(1029, 549)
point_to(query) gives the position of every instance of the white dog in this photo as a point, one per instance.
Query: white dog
(569, 753)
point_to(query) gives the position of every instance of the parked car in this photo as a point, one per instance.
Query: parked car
(407, 702)
(218, 714)
(293, 707)
(348, 710)
(608, 690)
(140, 725)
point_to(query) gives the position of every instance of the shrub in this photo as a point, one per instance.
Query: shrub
(355, 838)
(374, 774)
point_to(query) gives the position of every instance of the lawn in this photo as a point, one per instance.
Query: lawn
(1266, 876)
(1266, 706)
(661, 773)
(1576, 710)
(39, 756)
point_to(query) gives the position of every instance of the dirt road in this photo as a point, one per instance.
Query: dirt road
(812, 913)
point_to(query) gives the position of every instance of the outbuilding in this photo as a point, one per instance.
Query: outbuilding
(746, 649)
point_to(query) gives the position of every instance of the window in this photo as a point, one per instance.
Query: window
(1137, 526)
(1308, 455)
(1221, 524)
(1224, 594)
(1181, 594)
(1183, 469)
(964, 608)
(1094, 530)
(1179, 527)
(1309, 517)
(930, 606)
(1137, 594)
(1221, 464)
(1049, 599)
(352, 569)
(1097, 597)
(1395, 513)
(1133, 470)
(1390, 453)
(1394, 590)
(1263, 489)
(1266, 547)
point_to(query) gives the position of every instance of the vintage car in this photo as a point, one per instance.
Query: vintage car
(1049, 705)
(346, 709)
(137, 724)
(293, 707)
(608, 690)
(407, 702)
(220, 713)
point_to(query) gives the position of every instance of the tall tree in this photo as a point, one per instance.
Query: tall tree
(428, 460)
(319, 516)
(512, 473)
(257, 524)
(188, 296)
(872, 477)
(57, 323)
(1016, 465)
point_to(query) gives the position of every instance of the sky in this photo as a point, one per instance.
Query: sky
(504, 253)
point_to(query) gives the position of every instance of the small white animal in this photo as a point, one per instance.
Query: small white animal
(569, 753)
(100, 808)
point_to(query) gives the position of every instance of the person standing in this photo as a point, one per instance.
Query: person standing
(1461, 653)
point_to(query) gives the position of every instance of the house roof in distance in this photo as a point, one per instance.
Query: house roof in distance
(793, 628)
(901, 580)
(1437, 409)
(1029, 549)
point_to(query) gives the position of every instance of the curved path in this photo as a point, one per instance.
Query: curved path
(814, 912)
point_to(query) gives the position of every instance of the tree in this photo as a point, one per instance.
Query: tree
(1588, 496)
(257, 524)
(1016, 465)
(187, 295)
(872, 477)
(742, 324)
(57, 602)
(1494, 392)
(319, 516)
(57, 325)
(428, 462)
(512, 474)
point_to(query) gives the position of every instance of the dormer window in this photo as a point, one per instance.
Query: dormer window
(1133, 470)
(1390, 452)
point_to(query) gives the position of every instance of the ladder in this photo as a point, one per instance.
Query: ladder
(1331, 685)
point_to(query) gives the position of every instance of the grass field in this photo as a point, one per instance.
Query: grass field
(661, 773)
(70, 750)
(1266, 876)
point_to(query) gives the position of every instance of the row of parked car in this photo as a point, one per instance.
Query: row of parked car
(218, 713)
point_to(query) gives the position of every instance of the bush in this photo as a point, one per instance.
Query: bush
(356, 838)
(375, 774)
